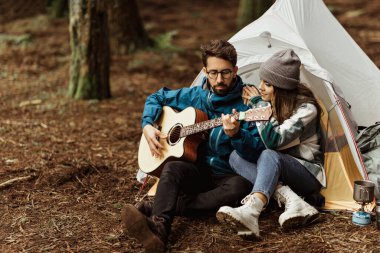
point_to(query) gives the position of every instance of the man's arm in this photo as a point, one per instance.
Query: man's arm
(247, 142)
(177, 99)
(245, 137)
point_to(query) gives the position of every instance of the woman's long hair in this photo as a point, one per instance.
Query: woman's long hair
(285, 102)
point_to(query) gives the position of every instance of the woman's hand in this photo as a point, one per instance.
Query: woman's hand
(249, 92)
(230, 125)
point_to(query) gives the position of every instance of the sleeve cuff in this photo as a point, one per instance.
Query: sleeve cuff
(255, 100)
(237, 135)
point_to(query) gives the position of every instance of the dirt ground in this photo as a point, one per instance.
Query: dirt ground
(76, 160)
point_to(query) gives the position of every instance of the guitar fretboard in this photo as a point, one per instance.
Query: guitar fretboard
(204, 125)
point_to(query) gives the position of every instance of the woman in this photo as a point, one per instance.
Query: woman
(291, 166)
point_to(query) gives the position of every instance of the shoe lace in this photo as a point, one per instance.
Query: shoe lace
(248, 198)
(285, 199)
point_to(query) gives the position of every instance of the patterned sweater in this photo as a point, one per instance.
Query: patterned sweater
(297, 136)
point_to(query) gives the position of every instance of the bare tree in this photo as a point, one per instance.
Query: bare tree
(90, 50)
(250, 10)
(58, 8)
(126, 27)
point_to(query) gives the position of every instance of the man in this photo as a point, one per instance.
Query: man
(202, 187)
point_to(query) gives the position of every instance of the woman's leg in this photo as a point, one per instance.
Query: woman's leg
(242, 167)
(247, 170)
(269, 166)
(297, 177)
(264, 176)
(272, 166)
(294, 180)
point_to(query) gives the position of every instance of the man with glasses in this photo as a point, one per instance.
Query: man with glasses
(199, 188)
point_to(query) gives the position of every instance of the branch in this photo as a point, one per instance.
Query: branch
(14, 180)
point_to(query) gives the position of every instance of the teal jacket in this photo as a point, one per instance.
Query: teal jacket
(216, 150)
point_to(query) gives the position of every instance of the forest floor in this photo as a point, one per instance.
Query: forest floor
(77, 160)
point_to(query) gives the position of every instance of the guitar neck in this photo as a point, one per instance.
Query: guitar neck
(204, 125)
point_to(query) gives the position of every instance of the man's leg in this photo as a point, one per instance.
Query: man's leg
(153, 231)
(225, 190)
(178, 177)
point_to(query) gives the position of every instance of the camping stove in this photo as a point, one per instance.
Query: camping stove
(361, 218)
(363, 194)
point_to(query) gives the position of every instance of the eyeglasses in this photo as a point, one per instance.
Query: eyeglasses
(213, 74)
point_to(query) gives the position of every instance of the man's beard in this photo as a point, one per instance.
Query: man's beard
(221, 92)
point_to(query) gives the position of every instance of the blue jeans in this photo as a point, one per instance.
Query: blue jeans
(273, 168)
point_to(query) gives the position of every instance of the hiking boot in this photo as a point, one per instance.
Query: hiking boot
(243, 218)
(159, 227)
(145, 207)
(151, 232)
(297, 211)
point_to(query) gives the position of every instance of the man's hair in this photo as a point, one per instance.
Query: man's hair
(220, 49)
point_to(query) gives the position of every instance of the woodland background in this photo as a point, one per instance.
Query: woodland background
(68, 159)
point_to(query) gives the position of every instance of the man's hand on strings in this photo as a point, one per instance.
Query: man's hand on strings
(151, 135)
(230, 125)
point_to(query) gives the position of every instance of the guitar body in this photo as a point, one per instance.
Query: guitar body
(184, 148)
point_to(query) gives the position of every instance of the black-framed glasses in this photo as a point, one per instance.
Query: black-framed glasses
(213, 74)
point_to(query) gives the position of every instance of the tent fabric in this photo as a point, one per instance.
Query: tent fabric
(340, 74)
(309, 26)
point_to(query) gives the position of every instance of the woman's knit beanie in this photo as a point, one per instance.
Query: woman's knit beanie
(282, 70)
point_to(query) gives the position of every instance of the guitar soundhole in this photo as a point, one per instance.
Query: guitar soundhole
(175, 134)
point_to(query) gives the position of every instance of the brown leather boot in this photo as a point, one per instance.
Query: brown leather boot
(145, 207)
(151, 232)
(159, 227)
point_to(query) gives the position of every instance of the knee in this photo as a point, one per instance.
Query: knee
(237, 162)
(170, 169)
(269, 156)
(234, 159)
(269, 153)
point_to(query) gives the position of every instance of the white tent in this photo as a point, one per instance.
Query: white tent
(338, 72)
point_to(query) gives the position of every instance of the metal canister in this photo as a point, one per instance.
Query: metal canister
(378, 214)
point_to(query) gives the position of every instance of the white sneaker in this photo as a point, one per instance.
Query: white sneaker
(244, 218)
(297, 211)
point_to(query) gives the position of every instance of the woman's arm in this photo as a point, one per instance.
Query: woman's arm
(276, 136)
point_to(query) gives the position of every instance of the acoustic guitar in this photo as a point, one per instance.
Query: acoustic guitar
(182, 132)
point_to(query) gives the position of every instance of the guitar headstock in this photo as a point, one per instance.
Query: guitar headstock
(257, 114)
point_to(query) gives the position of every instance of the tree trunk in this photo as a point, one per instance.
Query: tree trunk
(58, 8)
(126, 27)
(90, 52)
(250, 10)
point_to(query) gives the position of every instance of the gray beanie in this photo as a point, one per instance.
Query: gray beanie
(282, 70)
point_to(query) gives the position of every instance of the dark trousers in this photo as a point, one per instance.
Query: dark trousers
(186, 189)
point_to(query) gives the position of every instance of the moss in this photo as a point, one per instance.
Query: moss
(85, 88)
